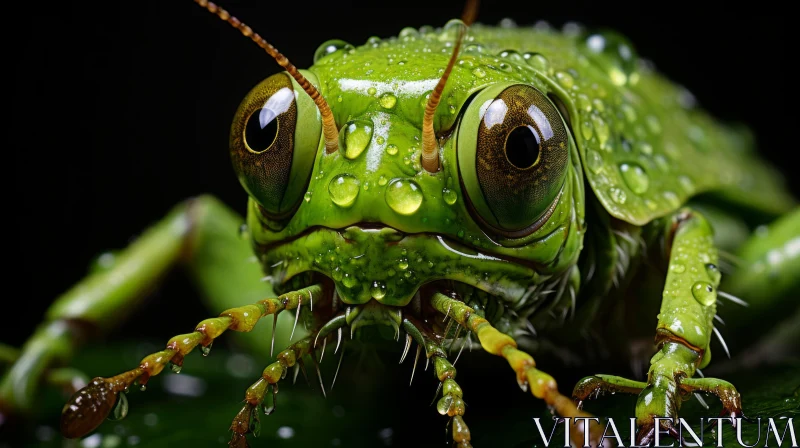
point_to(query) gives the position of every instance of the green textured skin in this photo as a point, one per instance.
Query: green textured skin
(640, 123)
(642, 147)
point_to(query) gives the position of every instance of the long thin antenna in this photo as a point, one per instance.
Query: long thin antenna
(430, 147)
(329, 128)
(470, 12)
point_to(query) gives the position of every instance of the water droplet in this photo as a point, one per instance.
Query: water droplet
(615, 54)
(355, 137)
(206, 349)
(572, 29)
(451, 29)
(388, 100)
(330, 47)
(704, 293)
(584, 103)
(512, 55)
(391, 149)
(176, 368)
(408, 33)
(404, 196)
(629, 112)
(617, 195)
(474, 48)
(380, 140)
(661, 162)
(537, 61)
(349, 281)
(653, 124)
(601, 129)
(479, 72)
(677, 268)
(143, 387)
(343, 190)
(542, 25)
(382, 180)
(120, 408)
(507, 22)
(107, 260)
(378, 290)
(307, 196)
(635, 176)
(686, 183)
(599, 105)
(713, 271)
(372, 91)
(402, 264)
(586, 130)
(565, 79)
(449, 196)
(506, 67)
(672, 199)
(644, 148)
(595, 161)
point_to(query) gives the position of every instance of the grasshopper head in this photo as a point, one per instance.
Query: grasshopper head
(496, 214)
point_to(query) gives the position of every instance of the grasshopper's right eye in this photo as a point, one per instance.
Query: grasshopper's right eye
(274, 139)
(513, 154)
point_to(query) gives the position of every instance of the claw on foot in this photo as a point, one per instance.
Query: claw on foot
(241, 425)
(88, 408)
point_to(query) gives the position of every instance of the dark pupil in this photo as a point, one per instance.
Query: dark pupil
(522, 147)
(259, 139)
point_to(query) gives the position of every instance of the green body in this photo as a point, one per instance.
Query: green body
(643, 154)
(647, 178)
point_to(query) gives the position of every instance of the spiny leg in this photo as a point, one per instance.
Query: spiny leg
(727, 394)
(199, 234)
(594, 386)
(246, 421)
(685, 326)
(89, 406)
(542, 385)
(451, 403)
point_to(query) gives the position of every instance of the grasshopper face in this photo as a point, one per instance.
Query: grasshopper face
(499, 215)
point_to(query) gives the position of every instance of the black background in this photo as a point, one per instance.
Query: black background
(122, 110)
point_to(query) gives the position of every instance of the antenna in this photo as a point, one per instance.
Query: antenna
(329, 128)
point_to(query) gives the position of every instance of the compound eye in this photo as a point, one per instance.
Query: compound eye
(274, 139)
(518, 159)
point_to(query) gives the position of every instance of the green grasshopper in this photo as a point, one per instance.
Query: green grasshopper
(481, 182)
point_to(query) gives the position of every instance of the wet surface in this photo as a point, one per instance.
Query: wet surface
(371, 405)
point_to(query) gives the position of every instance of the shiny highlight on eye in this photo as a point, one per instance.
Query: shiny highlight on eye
(329, 128)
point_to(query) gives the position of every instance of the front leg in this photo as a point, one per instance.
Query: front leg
(683, 334)
(200, 234)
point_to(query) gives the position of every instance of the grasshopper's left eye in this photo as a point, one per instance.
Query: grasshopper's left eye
(513, 150)
(274, 139)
